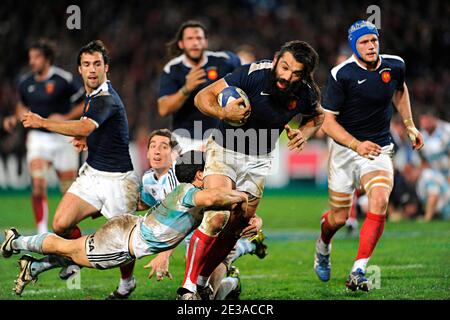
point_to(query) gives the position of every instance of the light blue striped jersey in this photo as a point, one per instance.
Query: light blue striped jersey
(433, 182)
(154, 190)
(436, 149)
(169, 222)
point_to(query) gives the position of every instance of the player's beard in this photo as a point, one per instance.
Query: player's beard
(196, 60)
(283, 97)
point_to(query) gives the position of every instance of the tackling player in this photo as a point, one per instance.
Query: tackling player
(183, 77)
(278, 90)
(127, 237)
(357, 101)
(52, 93)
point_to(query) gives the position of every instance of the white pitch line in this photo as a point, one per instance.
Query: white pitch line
(404, 266)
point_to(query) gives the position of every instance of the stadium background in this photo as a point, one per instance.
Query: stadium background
(135, 33)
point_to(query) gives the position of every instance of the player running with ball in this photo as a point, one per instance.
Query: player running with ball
(357, 101)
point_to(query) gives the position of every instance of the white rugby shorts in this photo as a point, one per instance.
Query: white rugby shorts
(53, 147)
(247, 171)
(346, 167)
(112, 193)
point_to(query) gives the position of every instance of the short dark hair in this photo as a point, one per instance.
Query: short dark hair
(94, 46)
(187, 166)
(172, 45)
(47, 48)
(306, 55)
(164, 133)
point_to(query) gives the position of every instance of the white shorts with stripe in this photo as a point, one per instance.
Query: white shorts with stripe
(112, 193)
(53, 147)
(346, 167)
(108, 247)
(248, 172)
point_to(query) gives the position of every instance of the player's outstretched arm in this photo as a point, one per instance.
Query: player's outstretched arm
(73, 128)
(333, 129)
(403, 105)
(206, 102)
(10, 122)
(219, 197)
(313, 124)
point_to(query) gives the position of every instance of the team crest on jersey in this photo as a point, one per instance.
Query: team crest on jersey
(386, 76)
(212, 73)
(49, 87)
(292, 104)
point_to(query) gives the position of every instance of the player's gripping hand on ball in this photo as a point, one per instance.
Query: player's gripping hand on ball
(236, 111)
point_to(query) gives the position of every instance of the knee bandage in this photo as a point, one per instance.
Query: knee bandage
(378, 181)
(341, 202)
(214, 221)
(39, 173)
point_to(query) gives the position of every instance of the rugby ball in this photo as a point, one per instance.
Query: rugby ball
(229, 94)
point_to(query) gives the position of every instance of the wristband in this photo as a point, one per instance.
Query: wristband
(353, 144)
(185, 91)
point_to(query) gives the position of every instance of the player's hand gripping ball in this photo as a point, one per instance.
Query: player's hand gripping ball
(230, 94)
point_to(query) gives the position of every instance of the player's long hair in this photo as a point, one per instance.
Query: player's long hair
(172, 46)
(306, 55)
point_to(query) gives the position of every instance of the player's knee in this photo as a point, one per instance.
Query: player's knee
(338, 217)
(214, 221)
(60, 226)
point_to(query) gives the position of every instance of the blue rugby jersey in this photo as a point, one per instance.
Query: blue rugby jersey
(362, 99)
(108, 143)
(260, 133)
(217, 65)
(56, 94)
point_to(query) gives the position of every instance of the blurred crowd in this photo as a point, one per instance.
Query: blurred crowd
(136, 32)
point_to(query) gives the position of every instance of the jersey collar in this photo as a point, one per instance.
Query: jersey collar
(102, 88)
(186, 62)
(50, 73)
(363, 67)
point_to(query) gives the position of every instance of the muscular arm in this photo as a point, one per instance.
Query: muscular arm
(403, 105)
(171, 103)
(206, 102)
(334, 130)
(73, 128)
(312, 125)
(338, 133)
(218, 197)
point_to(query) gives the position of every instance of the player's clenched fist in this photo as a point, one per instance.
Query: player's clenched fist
(31, 120)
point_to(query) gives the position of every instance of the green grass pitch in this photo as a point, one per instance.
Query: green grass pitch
(413, 258)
